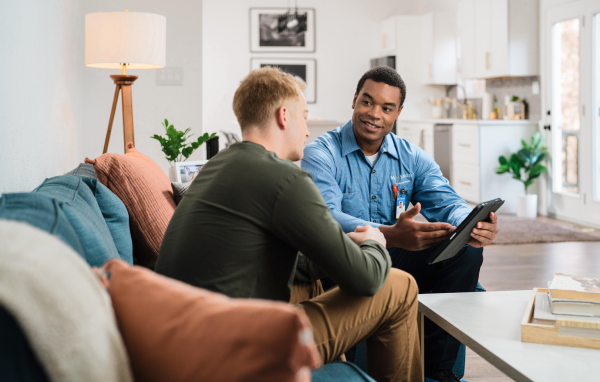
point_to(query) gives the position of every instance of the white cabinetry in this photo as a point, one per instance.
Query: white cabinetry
(429, 39)
(438, 54)
(476, 148)
(386, 37)
(498, 38)
(417, 133)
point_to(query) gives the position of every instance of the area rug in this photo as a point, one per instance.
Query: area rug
(515, 230)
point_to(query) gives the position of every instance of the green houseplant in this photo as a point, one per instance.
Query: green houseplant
(525, 166)
(175, 145)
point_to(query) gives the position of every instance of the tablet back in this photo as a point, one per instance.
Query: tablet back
(451, 246)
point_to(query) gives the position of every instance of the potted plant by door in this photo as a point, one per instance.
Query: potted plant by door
(525, 166)
(175, 147)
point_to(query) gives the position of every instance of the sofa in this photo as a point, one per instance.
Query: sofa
(76, 304)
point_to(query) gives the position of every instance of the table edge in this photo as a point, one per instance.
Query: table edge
(474, 345)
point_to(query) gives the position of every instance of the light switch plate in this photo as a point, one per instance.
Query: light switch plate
(169, 76)
(535, 87)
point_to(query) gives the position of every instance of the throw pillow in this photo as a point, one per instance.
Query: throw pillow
(83, 170)
(146, 192)
(42, 212)
(177, 332)
(115, 215)
(179, 189)
(79, 205)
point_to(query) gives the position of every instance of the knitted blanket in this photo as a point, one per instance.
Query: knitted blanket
(63, 309)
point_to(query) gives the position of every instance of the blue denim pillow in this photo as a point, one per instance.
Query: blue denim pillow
(81, 209)
(115, 215)
(41, 212)
(84, 170)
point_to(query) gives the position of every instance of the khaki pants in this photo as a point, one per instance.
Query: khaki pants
(388, 321)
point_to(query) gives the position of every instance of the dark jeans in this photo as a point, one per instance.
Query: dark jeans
(457, 274)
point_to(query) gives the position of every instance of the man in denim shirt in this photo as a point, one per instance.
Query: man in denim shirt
(356, 167)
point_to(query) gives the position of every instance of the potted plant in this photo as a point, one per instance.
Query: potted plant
(525, 166)
(176, 148)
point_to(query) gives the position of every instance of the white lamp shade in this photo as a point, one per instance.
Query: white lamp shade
(138, 39)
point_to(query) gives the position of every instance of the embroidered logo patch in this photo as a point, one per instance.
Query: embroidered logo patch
(398, 177)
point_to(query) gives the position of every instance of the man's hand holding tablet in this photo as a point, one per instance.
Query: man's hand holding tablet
(484, 233)
(415, 236)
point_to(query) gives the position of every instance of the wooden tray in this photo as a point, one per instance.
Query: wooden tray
(548, 334)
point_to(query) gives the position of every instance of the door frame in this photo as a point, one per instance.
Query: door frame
(579, 208)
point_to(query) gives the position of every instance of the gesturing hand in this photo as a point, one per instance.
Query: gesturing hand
(414, 236)
(484, 233)
(366, 232)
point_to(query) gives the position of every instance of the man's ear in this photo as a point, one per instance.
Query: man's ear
(282, 116)
(354, 100)
(399, 111)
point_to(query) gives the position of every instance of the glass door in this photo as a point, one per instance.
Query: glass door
(571, 72)
(566, 121)
(595, 111)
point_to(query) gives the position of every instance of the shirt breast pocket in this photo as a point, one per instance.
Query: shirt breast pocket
(352, 206)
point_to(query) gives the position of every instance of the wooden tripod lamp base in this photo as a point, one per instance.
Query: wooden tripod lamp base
(123, 84)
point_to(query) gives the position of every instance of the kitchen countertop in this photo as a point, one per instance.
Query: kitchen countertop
(495, 122)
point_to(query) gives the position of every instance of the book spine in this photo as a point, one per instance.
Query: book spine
(574, 295)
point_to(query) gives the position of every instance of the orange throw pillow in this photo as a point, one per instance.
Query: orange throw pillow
(146, 191)
(176, 332)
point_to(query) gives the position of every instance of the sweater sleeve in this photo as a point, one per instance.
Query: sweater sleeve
(302, 219)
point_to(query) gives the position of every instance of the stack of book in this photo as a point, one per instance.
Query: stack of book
(573, 299)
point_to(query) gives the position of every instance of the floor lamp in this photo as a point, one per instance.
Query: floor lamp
(124, 40)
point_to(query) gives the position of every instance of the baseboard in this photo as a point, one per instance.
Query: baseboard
(576, 221)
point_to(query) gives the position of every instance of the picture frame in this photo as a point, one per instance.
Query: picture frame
(305, 68)
(265, 38)
(187, 171)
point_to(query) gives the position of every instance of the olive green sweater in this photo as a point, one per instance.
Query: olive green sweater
(240, 226)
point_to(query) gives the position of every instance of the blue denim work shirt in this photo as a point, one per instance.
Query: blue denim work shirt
(360, 193)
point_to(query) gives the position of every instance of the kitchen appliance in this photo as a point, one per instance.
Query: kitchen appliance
(442, 146)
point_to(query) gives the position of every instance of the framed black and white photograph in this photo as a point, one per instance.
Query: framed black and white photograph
(187, 171)
(279, 30)
(303, 68)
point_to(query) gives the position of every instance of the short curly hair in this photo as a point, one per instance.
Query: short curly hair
(261, 93)
(388, 76)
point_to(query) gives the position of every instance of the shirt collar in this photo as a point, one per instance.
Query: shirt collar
(349, 144)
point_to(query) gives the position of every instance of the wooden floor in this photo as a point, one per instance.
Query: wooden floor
(525, 266)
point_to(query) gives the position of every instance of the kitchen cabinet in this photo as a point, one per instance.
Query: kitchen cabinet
(417, 133)
(476, 147)
(438, 48)
(427, 41)
(386, 37)
(498, 38)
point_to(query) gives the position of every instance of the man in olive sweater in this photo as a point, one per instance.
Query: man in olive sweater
(250, 211)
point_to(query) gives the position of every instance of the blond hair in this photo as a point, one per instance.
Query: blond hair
(261, 93)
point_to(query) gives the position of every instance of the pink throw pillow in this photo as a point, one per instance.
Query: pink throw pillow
(146, 191)
(176, 332)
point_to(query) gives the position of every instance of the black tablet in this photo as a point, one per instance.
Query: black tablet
(452, 245)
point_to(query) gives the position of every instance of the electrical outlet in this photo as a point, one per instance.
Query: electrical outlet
(169, 76)
(535, 87)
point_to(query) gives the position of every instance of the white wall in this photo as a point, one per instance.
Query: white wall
(343, 51)
(344, 46)
(41, 91)
(181, 105)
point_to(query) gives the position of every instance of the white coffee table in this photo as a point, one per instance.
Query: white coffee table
(490, 324)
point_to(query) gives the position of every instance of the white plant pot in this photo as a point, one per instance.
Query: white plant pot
(527, 206)
(172, 174)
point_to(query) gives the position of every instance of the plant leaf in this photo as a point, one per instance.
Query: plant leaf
(502, 160)
(502, 169)
(537, 170)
